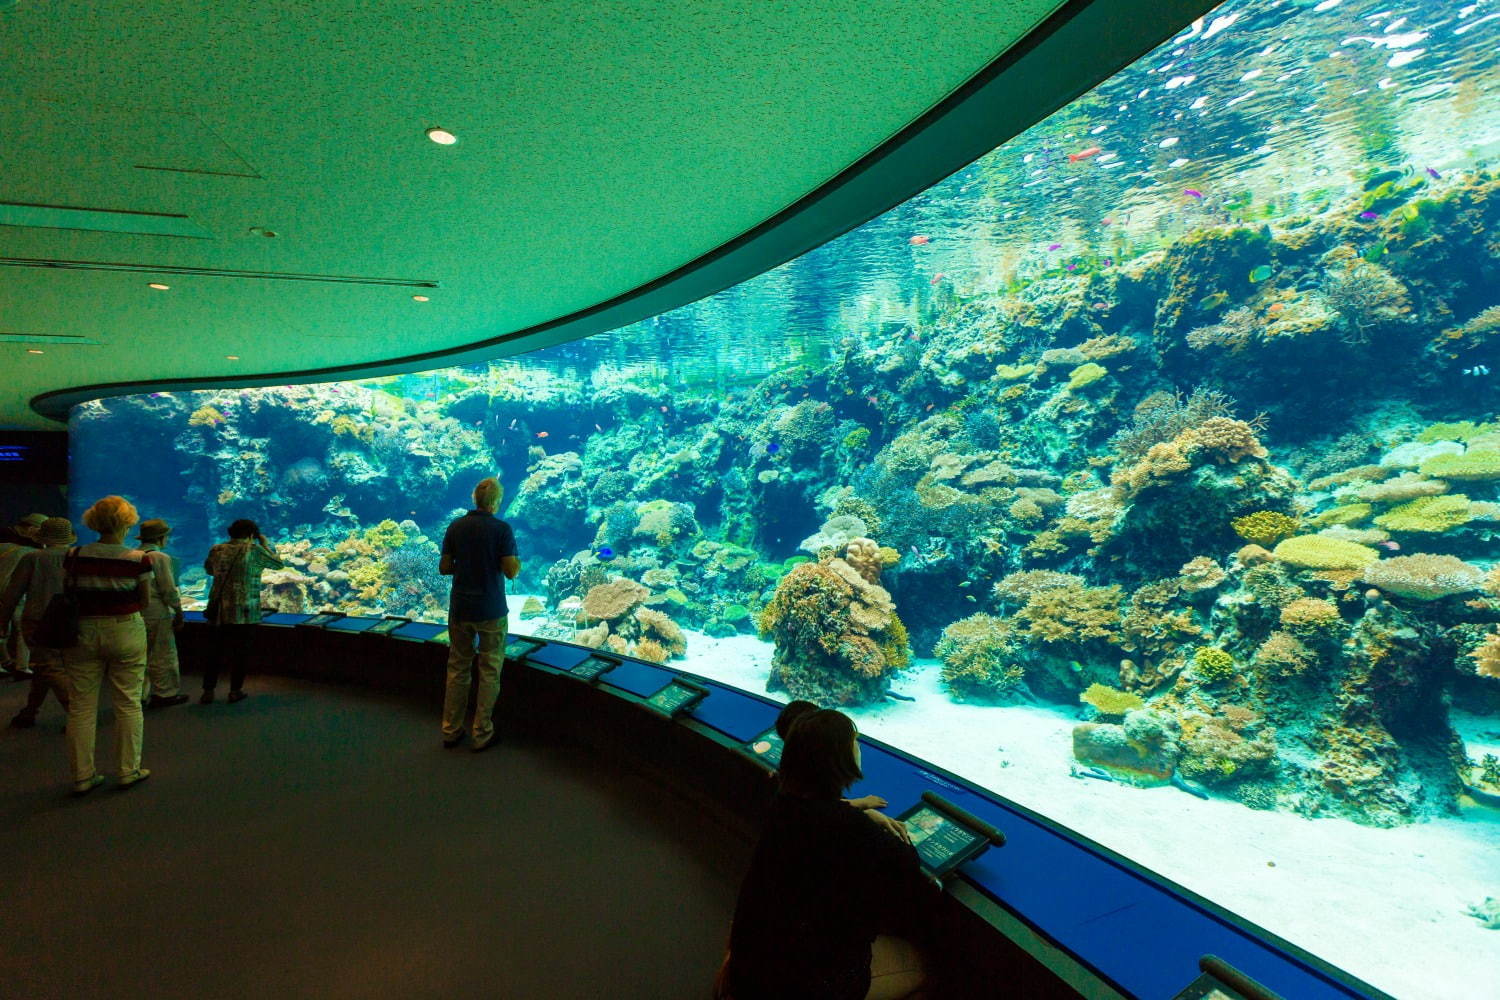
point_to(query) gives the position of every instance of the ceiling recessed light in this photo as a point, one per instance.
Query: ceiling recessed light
(231, 357)
(32, 350)
(441, 136)
(420, 298)
(158, 286)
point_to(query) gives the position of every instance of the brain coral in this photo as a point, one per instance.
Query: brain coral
(1423, 576)
(1322, 552)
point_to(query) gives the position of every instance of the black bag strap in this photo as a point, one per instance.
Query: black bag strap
(70, 571)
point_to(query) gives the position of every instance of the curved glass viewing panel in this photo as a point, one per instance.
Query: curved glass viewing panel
(1146, 471)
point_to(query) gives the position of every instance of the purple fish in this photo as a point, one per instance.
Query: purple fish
(1072, 267)
(1055, 246)
(1108, 262)
(1434, 174)
(1369, 215)
(1193, 193)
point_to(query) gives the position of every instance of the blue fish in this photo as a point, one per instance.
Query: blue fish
(1434, 174)
(772, 448)
(605, 553)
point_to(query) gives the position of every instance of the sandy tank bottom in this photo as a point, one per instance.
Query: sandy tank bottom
(1388, 905)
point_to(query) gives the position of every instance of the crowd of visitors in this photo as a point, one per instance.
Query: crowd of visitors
(76, 619)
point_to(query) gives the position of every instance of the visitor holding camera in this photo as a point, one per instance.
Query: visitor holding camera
(234, 603)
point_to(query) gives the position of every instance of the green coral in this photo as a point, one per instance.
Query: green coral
(1428, 515)
(978, 654)
(1349, 513)
(1213, 664)
(1086, 374)
(1322, 552)
(1475, 464)
(1110, 701)
(856, 439)
(1264, 527)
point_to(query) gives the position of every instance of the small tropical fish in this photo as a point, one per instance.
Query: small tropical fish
(1434, 174)
(1193, 193)
(513, 423)
(1055, 246)
(919, 240)
(1100, 306)
(1260, 273)
(1393, 546)
(599, 429)
(873, 400)
(664, 409)
(542, 434)
(964, 584)
(1084, 154)
(1109, 262)
(772, 448)
(1275, 307)
(1213, 301)
(1072, 267)
(605, 553)
(1477, 370)
(936, 278)
(929, 407)
(1367, 216)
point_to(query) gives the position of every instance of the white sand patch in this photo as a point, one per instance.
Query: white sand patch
(1386, 905)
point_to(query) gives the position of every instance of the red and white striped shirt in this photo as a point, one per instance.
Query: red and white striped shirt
(104, 577)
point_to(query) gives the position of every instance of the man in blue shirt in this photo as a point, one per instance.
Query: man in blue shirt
(478, 549)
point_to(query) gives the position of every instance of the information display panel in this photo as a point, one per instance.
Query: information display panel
(593, 667)
(767, 748)
(322, 619)
(677, 697)
(349, 623)
(420, 632)
(946, 836)
(518, 648)
(387, 626)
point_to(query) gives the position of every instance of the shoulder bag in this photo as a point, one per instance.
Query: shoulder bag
(58, 628)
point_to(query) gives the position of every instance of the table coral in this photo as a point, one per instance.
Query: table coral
(1321, 552)
(1423, 576)
(1428, 515)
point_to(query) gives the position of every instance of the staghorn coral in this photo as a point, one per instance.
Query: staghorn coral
(1284, 655)
(978, 654)
(649, 650)
(1264, 527)
(1072, 613)
(1487, 657)
(1161, 416)
(1423, 576)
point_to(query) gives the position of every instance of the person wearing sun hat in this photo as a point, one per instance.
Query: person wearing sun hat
(38, 576)
(15, 541)
(163, 617)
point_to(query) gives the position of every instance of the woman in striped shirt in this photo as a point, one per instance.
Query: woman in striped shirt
(112, 584)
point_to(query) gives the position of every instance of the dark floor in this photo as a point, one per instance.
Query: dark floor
(317, 841)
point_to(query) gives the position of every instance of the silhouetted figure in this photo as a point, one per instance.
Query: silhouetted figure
(234, 603)
(37, 578)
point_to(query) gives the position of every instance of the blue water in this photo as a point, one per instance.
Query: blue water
(1168, 420)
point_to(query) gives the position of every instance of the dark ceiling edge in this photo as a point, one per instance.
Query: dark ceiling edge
(1079, 45)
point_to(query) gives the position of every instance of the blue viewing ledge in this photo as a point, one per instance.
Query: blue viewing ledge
(1135, 931)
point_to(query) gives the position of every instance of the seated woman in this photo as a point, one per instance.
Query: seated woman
(827, 890)
(870, 805)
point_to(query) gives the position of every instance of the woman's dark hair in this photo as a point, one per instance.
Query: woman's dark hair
(794, 710)
(244, 528)
(818, 761)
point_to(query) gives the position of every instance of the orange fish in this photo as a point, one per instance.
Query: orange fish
(1084, 154)
(541, 434)
(1276, 307)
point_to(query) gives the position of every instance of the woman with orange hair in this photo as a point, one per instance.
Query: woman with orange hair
(111, 584)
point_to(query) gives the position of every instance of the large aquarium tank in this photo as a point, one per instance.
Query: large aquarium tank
(1146, 471)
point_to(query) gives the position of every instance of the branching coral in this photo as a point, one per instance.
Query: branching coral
(1311, 617)
(978, 654)
(1223, 440)
(1200, 573)
(1072, 613)
(1212, 664)
(1487, 657)
(1265, 527)
(1423, 576)
(1162, 416)
(1018, 587)
(1284, 655)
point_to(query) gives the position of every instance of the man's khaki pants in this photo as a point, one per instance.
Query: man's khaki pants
(164, 680)
(109, 649)
(461, 637)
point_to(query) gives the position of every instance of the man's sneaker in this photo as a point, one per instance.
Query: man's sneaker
(25, 720)
(449, 742)
(158, 701)
(135, 777)
(207, 698)
(235, 696)
(481, 747)
(87, 785)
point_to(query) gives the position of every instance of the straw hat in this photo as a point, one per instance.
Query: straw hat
(153, 530)
(32, 520)
(56, 531)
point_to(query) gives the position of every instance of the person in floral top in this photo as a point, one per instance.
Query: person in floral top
(234, 603)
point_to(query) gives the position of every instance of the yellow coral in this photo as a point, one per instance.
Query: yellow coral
(650, 650)
(206, 416)
(1310, 616)
(1110, 701)
(614, 599)
(1322, 552)
(1265, 527)
(1487, 657)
